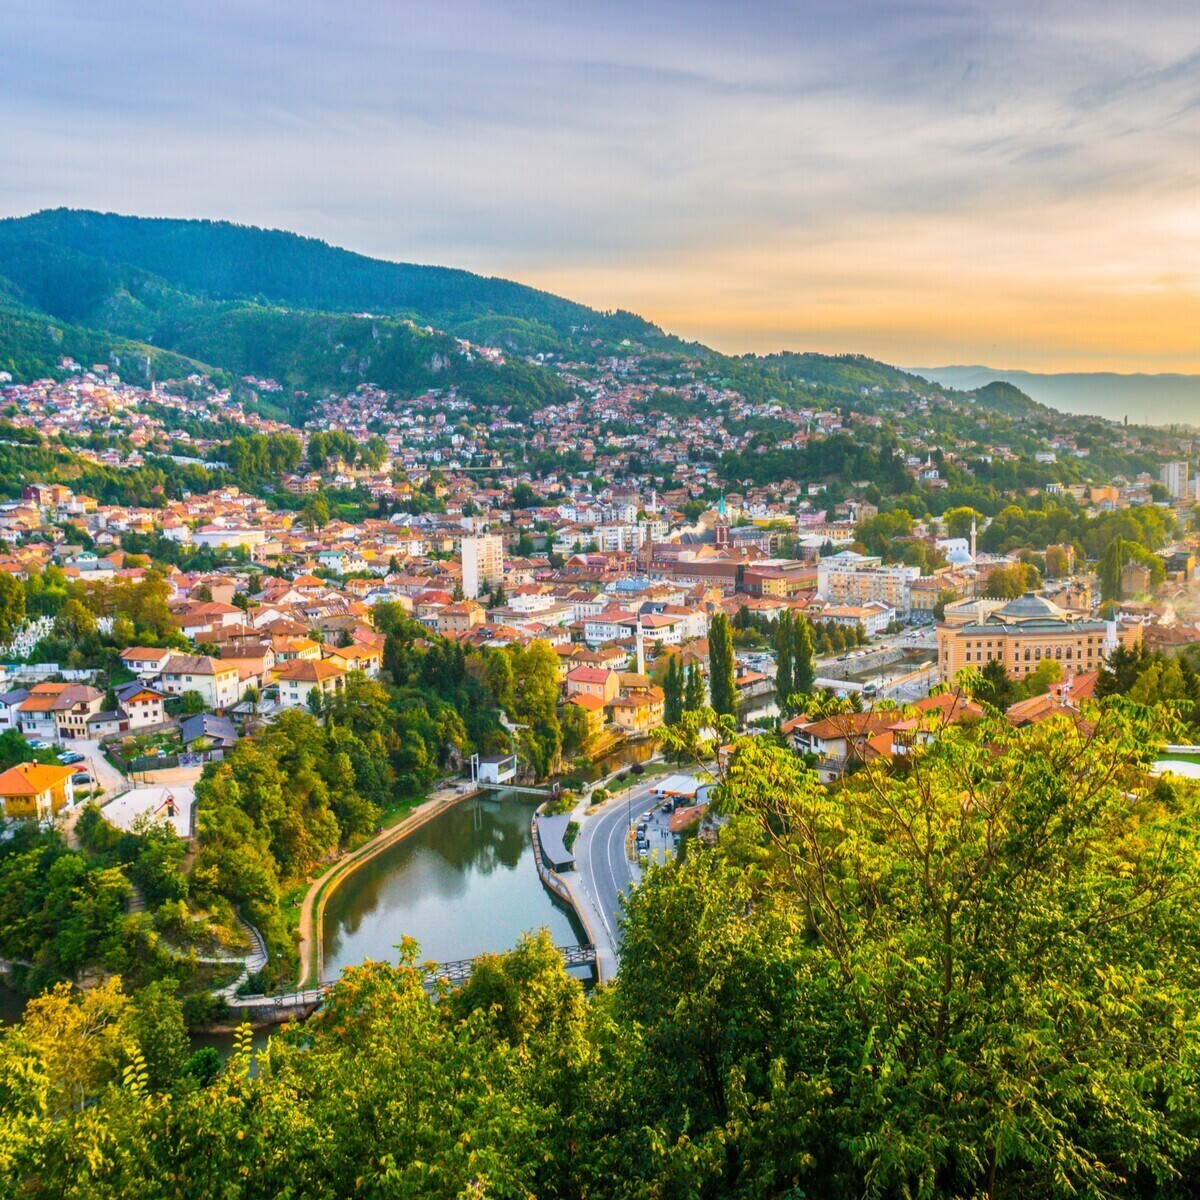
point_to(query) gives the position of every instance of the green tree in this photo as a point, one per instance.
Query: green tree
(1118, 554)
(721, 677)
(694, 691)
(315, 513)
(916, 900)
(12, 606)
(673, 691)
(804, 667)
(784, 636)
(958, 520)
(74, 623)
(944, 597)
(523, 496)
(994, 686)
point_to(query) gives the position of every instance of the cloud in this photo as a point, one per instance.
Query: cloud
(705, 157)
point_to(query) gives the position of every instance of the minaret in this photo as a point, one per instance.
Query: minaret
(972, 537)
(721, 528)
(641, 648)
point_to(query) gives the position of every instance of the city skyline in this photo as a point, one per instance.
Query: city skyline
(926, 184)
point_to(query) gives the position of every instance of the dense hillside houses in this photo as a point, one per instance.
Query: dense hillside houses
(612, 521)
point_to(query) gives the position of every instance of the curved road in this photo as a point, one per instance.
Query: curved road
(605, 871)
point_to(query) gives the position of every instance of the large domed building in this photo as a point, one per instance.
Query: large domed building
(1027, 630)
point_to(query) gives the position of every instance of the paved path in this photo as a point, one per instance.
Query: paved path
(252, 963)
(102, 771)
(603, 868)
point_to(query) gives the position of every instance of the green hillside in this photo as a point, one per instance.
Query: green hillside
(60, 300)
(222, 261)
(31, 344)
(173, 295)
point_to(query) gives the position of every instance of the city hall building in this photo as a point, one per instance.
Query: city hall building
(1024, 632)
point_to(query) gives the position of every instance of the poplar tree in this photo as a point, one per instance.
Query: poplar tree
(693, 697)
(784, 632)
(722, 686)
(803, 658)
(673, 692)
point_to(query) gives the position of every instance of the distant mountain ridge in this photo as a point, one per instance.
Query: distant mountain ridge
(1169, 399)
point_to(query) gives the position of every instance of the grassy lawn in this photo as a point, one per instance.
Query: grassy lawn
(1187, 758)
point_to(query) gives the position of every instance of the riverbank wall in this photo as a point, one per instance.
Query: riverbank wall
(344, 868)
(560, 888)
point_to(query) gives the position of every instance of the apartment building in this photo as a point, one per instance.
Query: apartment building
(850, 578)
(482, 563)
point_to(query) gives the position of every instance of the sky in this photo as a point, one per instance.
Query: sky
(1011, 182)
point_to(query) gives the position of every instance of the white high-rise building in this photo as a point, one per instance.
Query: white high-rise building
(1174, 477)
(482, 562)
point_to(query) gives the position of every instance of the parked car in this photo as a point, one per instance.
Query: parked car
(81, 779)
(38, 745)
(69, 758)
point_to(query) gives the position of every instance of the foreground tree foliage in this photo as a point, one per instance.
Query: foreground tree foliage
(975, 976)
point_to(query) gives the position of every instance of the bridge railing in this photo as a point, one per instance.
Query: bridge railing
(457, 971)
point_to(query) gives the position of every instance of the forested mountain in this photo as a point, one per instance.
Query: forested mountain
(158, 298)
(218, 260)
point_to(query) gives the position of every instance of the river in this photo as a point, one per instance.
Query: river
(463, 884)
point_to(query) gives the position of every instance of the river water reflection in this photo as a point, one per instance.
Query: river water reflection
(463, 884)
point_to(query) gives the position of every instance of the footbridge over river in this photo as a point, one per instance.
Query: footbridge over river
(284, 1005)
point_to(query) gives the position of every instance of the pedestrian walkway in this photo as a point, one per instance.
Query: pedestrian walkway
(252, 963)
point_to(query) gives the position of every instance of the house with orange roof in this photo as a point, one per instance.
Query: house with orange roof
(638, 711)
(216, 682)
(302, 676)
(843, 739)
(35, 791)
(594, 708)
(593, 681)
(1063, 699)
(461, 617)
(358, 657)
(58, 710)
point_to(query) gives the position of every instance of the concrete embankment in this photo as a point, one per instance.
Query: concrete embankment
(312, 914)
(563, 890)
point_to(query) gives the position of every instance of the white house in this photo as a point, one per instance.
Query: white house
(300, 676)
(142, 704)
(144, 661)
(215, 681)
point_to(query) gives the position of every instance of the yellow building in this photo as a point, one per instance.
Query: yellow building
(460, 618)
(35, 791)
(593, 708)
(1024, 632)
(639, 712)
